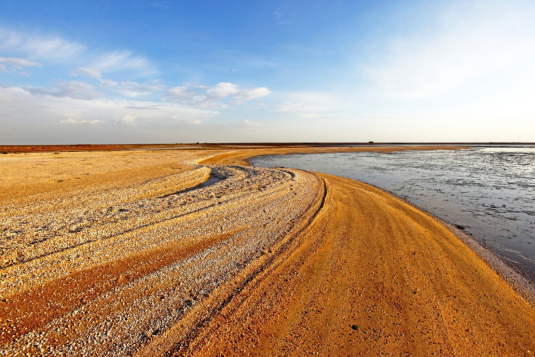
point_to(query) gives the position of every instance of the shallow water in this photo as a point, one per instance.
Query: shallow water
(488, 192)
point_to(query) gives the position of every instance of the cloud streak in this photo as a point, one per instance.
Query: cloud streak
(221, 95)
(127, 119)
(86, 72)
(74, 121)
(135, 89)
(38, 46)
(118, 61)
(42, 107)
(9, 64)
(72, 89)
(251, 123)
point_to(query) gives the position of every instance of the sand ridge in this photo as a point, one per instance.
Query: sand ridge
(189, 253)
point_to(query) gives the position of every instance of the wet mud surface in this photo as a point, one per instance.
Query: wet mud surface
(489, 193)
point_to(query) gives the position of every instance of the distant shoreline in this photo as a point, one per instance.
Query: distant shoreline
(225, 146)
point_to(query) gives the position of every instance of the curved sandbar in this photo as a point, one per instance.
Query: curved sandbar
(398, 277)
(169, 258)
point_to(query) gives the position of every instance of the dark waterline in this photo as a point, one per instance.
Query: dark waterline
(488, 192)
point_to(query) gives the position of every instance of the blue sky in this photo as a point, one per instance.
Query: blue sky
(239, 71)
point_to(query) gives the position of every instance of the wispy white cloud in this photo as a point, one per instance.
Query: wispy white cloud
(108, 83)
(117, 61)
(38, 45)
(50, 47)
(45, 119)
(251, 123)
(9, 64)
(245, 95)
(221, 95)
(128, 119)
(189, 121)
(135, 89)
(75, 121)
(220, 91)
(44, 106)
(86, 72)
(183, 93)
(72, 89)
(81, 90)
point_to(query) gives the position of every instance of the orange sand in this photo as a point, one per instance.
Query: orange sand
(137, 258)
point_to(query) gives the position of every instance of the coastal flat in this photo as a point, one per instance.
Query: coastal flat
(191, 252)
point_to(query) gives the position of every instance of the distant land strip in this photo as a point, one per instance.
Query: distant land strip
(201, 146)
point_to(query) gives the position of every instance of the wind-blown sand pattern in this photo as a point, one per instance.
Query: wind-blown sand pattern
(193, 253)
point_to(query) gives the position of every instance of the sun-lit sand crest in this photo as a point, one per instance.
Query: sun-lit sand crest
(193, 253)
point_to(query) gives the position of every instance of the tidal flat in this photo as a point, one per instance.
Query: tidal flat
(487, 192)
(193, 252)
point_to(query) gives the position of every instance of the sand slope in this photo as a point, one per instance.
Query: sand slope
(152, 254)
(373, 276)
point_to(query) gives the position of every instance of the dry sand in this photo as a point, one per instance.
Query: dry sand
(193, 253)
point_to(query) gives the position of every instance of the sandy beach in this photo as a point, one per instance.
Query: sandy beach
(193, 252)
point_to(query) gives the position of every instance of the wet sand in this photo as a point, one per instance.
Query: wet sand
(190, 253)
(487, 192)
